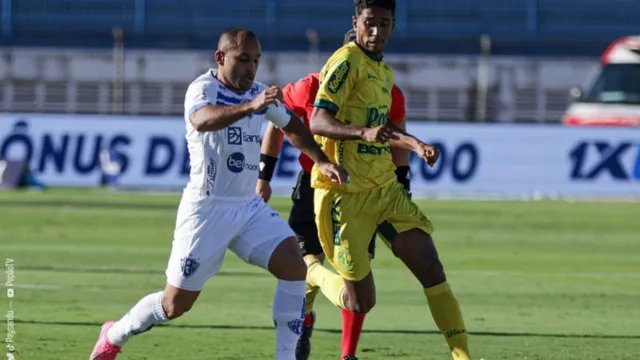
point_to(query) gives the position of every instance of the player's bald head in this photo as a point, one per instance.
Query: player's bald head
(234, 38)
(238, 57)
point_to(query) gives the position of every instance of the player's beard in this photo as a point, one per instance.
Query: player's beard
(245, 82)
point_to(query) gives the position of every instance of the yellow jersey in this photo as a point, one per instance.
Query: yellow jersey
(356, 86)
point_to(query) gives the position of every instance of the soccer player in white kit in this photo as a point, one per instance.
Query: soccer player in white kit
(219, 210)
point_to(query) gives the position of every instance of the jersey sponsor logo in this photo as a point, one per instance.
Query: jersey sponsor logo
(338, 77)
(376, 117)
(189, 266)
(593, 159)
(373, 150)
(236, 163)
(235, 136)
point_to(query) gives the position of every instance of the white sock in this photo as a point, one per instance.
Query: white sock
(288, 317)
(142, 317)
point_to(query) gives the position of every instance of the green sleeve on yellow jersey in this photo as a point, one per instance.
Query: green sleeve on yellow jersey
(337, 80)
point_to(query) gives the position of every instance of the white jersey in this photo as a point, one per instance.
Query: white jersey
(225, 163)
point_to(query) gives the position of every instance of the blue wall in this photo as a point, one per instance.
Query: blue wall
(529, 27)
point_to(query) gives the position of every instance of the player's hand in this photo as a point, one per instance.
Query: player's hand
(263, 189)
(336, 173)
(429, 154)
(379, 134)
(268, 97)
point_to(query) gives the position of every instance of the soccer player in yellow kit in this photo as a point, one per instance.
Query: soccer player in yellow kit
(350, 122)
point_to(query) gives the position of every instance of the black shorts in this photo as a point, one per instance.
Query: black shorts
(302, 218)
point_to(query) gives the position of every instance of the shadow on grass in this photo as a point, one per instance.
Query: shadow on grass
(338, 331)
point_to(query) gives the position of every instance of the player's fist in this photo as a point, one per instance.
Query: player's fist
(429, 154)
(268, 97)
(263, 189)
(379, 134)
(336, 173)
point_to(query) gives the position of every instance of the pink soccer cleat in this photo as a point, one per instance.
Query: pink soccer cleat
(105, 350)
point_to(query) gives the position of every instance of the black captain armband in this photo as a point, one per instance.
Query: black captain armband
(404, 177)
(267, 167)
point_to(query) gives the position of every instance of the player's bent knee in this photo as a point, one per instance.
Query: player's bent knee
(360, 296)
(360, 305)
(286, 262)
(432, 273)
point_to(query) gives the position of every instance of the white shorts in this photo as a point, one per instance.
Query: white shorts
(205, 229)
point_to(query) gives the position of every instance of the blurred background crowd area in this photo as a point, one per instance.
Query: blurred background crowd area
(456, 60)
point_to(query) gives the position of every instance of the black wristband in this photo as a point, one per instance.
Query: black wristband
(267, 167)
(404, 176)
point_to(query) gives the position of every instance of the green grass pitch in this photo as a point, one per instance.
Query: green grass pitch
(546, 280)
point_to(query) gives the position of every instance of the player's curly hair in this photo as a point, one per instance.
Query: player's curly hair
(366, 4)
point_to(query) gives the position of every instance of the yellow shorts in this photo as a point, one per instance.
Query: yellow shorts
(347, 221)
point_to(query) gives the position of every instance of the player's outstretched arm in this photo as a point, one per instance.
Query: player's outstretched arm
(301, 138)
(271, 145)
(399, 138)
(215, 117)
(272, 141)
(324, 123)
(401, 156)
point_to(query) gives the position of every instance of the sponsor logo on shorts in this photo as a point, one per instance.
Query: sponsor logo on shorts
(344, 258)
(296, 326)
(335, 221)
(236, 163)
(338, 77)
(235, 136)
(189, 266)
(211, 171)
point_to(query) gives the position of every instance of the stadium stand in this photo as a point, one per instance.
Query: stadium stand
(76, 74)
(525, 27)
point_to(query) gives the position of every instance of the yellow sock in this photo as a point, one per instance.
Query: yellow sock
(448, 317)
(312, 291)
(330, 283)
